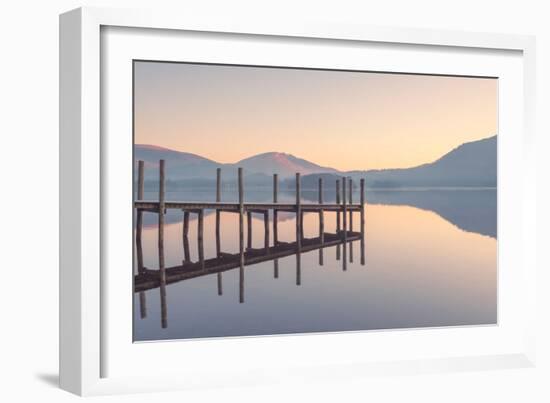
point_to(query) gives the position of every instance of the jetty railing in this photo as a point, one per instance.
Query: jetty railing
(344, 209)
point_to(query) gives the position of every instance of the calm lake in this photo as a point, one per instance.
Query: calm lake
(430, 260)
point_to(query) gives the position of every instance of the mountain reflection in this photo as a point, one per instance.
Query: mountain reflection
(472, 210)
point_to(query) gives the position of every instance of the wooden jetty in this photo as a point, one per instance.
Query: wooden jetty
(146, 279)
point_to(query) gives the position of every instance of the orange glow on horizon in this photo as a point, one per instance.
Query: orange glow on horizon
(343, 120)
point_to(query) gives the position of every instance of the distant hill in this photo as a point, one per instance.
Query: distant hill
(184, 165)
(286, 165)
(472, 164)
(179, 164)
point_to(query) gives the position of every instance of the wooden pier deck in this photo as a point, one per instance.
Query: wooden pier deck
(153, 206)
(273, 249)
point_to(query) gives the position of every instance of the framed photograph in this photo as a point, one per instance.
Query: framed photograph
(250, 201)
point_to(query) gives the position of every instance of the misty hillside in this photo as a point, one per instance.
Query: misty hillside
(179, 164)
(312, 181)
(286, 165)
(472, 164)
(182, 165)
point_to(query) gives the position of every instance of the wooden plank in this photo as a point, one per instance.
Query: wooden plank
(234, 207)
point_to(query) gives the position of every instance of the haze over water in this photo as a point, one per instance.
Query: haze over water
(421, 270)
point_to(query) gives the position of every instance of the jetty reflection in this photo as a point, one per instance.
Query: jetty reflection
(343, 238)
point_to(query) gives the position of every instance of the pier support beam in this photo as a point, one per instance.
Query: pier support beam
(162, 271)
(249, 229)
(321, 222)
(186, 252)
(298, 230)
(218, 214)
(275, 223)
(362, 201)
(139, 246)
(350, 203)
(275, 212)
(338, 217)
(200, 237)
(241, 236)
(344, 224)
(266, 231)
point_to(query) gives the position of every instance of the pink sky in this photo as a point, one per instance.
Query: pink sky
(345, 120)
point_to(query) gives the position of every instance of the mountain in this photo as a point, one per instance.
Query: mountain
(286, 165)
(179, 164)
(258, 168)
(472, 164)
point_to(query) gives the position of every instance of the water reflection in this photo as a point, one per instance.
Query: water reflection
(473, 210)
(420, 270)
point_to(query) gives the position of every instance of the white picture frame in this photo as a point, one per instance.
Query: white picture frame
(91, 361)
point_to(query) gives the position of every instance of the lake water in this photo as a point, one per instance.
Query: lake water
(430, 260)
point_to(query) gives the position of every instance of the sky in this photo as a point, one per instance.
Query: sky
(340, 119)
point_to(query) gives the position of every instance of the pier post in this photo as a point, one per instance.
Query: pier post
(351, 218)
(163, 304)
(186, 253)
(298, 210)
(139, 246)
(220, 289)
(241, 236)
(249, 229)
(218, 213)
(266, 231)
(298, 230)
(218, 199)
(200, 237)
(338, 217)
(362, 201)
(344, 225)
(321, 222)
(162, 271)
(350, 203)
(139, 220)
(142, 305)
(275, 224)
(275, 212)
